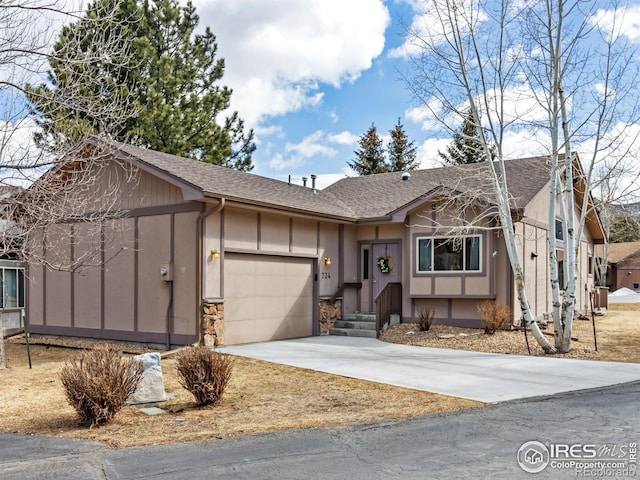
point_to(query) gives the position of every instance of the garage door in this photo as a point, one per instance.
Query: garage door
(267, 298)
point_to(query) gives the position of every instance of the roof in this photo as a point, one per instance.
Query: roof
(214, 180)
(619, 252)
(377, 195)
(352, 198)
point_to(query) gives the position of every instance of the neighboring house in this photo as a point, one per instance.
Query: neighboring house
(623, 266)
(208, 251)
(12, 283)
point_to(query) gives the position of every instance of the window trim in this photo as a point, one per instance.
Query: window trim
(463, 238)
(20, 287)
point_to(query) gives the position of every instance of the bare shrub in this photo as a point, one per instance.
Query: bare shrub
(494, 315)
(98, 383)
(426, 318)
(204, 373)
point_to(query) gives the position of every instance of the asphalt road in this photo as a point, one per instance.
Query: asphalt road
(481, 443)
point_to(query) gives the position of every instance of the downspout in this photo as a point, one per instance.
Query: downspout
(199, 267)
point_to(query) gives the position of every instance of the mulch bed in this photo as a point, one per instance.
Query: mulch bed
(503, 341)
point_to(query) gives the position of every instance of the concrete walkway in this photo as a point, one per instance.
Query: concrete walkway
(486, 377)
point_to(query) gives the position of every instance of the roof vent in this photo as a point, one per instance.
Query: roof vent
(313, 183)
(304, 181)
(406, 176)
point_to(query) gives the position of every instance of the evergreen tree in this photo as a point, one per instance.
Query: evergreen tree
(466, 146)
(370, 156)
(171, 76)
(624, 228)
(401, 152)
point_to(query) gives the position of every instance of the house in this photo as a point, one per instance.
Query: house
(12, 279)
(623, 266)
(197, 252)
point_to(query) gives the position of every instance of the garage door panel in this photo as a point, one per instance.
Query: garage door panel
(267, 298)
(270, 286)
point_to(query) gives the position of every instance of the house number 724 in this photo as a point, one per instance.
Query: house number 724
(326, 275)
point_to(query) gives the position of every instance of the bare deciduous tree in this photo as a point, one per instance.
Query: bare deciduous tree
(560, 69)
(57, 193)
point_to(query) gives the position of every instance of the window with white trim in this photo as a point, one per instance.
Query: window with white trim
(12, 291)
(442, 254)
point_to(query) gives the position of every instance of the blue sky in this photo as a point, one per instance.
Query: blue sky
(311, 76)
(326, 76)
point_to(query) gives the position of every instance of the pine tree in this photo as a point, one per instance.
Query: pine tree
(370, 156)
(401, 152)
(624, 228)
(466, 146)
(171, 76)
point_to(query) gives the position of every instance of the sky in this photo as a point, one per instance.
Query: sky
(311, 76)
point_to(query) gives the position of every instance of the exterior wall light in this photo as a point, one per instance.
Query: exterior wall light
(215, 253)
(327, 261)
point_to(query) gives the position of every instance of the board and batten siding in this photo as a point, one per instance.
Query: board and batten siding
(117, 292)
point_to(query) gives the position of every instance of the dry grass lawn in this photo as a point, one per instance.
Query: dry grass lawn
(263, 397)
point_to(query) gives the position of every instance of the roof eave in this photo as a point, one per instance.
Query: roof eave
(257, 205)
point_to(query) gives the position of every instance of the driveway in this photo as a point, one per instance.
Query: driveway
(485, 377)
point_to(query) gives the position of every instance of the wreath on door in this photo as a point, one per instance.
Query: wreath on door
(385, 264)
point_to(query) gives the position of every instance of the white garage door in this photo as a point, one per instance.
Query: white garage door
(267, 298)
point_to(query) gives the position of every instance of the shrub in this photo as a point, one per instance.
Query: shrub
(494, 315)
(204, 373)
(426, 318)
(98, 383)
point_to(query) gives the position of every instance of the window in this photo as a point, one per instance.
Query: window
(561, 275)
(448, 254)
(559, 232)
(365, 264)
(12, 291)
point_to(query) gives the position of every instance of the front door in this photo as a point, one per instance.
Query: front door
(386, 262)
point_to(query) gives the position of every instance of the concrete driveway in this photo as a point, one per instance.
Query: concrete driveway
(485, 377)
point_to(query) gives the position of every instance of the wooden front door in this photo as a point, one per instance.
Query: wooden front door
(386, 263)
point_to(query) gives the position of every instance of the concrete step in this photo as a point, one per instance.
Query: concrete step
(360, 317)
(353, 332)
(355, 324)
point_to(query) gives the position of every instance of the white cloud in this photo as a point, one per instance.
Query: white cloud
(427, 153)
(324, 180)
(519, 106)
(427, 25)
(525, 143)
(343, 138)
(278, 52)
(278, 162)
(20, 153)
(310, 146)
(297, 154)
(623, 21)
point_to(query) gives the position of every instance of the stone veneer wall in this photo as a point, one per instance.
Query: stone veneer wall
(214, 320)
(329, 313)
(213, 324)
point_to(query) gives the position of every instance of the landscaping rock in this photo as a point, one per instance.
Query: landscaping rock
(151, 388)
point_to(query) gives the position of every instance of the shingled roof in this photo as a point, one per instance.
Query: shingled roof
(373, 196)
(214, 180)
(352, 198)
(619, 252)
